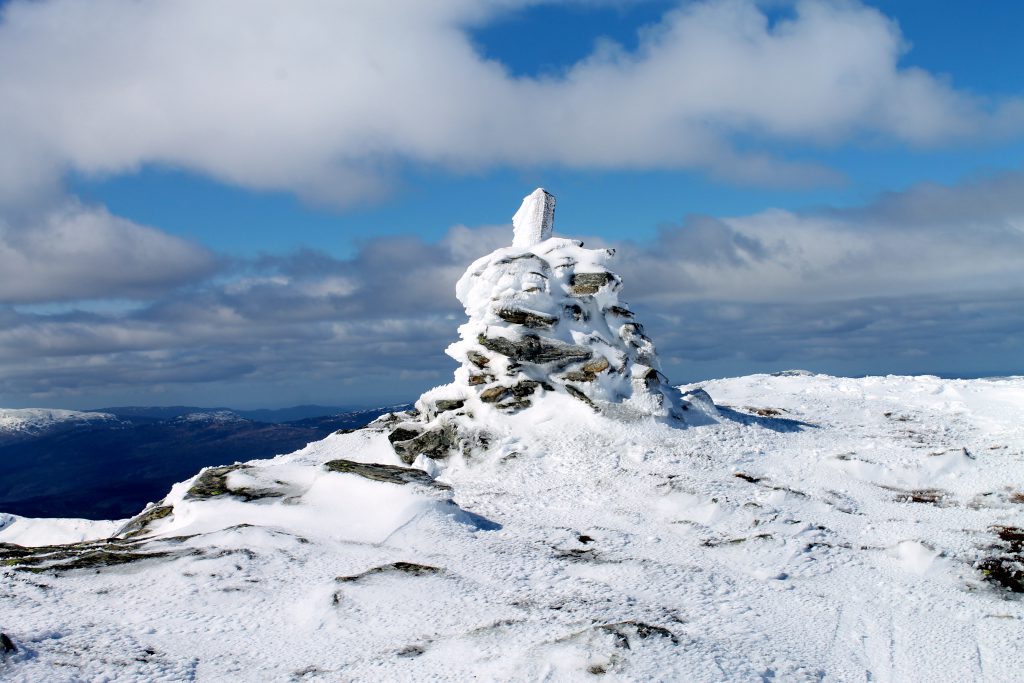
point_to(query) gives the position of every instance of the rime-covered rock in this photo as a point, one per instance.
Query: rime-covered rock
(544, 317)
(535, 219)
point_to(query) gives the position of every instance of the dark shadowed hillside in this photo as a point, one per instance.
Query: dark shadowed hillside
(111, 469)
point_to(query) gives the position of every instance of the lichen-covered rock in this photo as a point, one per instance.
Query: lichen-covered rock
(588, 283)
(525, 317)
(389, 474)
(435, 442)
(213, 482)
(530, 348)
(142, 521)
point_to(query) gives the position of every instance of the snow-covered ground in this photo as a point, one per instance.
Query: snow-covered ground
(35, 420)
(823, 529)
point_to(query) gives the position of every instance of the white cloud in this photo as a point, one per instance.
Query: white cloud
(76, 252)
(905, 283)
(322, 97)
(930, 239)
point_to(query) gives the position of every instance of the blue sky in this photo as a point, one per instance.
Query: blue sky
(211, 204)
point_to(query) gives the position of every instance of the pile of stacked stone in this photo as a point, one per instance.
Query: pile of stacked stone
(544, 317)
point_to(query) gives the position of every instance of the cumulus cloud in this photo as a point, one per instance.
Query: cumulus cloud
(928, 239)
(82, 252)
(322, 98)
(904, 283)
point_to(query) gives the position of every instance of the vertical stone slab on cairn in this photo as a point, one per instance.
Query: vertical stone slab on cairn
(535, 219)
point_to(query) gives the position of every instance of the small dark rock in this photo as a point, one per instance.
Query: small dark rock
(588, 283)
(494, 394)
(589, 372)
(478, 359)
(435, 443)
(524, 388)
(528, 318)
(7, 646)
(395, 567)
(643, 631)
(445, 405)
(1005, 567)
(403, 434)
(577, 394)
(576, 313)
(139, 523)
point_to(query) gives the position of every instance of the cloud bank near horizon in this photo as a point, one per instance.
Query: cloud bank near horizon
(928, 279)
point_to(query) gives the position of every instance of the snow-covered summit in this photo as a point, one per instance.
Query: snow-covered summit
(212, 416)
(545, 320)
(35, 420)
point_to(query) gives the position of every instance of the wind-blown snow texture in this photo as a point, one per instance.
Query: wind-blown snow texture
(805, 528)
(785, 545)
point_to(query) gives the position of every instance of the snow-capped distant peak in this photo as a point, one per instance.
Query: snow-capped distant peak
(218, 416)
(34, 420)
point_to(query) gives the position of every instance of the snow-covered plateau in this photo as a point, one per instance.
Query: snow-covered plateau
(560, 513)
(824, 529)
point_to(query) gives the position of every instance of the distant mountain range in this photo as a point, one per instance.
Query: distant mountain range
(274, 416)
(108, 463)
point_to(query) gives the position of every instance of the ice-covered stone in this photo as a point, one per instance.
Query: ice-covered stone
(544, 317)
(535, 219)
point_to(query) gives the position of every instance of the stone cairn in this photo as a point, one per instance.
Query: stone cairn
(544, 317)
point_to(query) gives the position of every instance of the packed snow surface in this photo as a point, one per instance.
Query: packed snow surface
(822, 528)
(35, 532)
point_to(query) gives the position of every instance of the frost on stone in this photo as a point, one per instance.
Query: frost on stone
(535, 219)
(545, 319)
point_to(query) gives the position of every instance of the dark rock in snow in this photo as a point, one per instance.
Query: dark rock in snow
(434, 443)
(533, 349)
(527, 318)
(213, 481)
(588, 283)
(139, 523)
(624, 629)
(478, 359)
(395, 567)
(446, 405)
(389, 474)
(403, 434)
